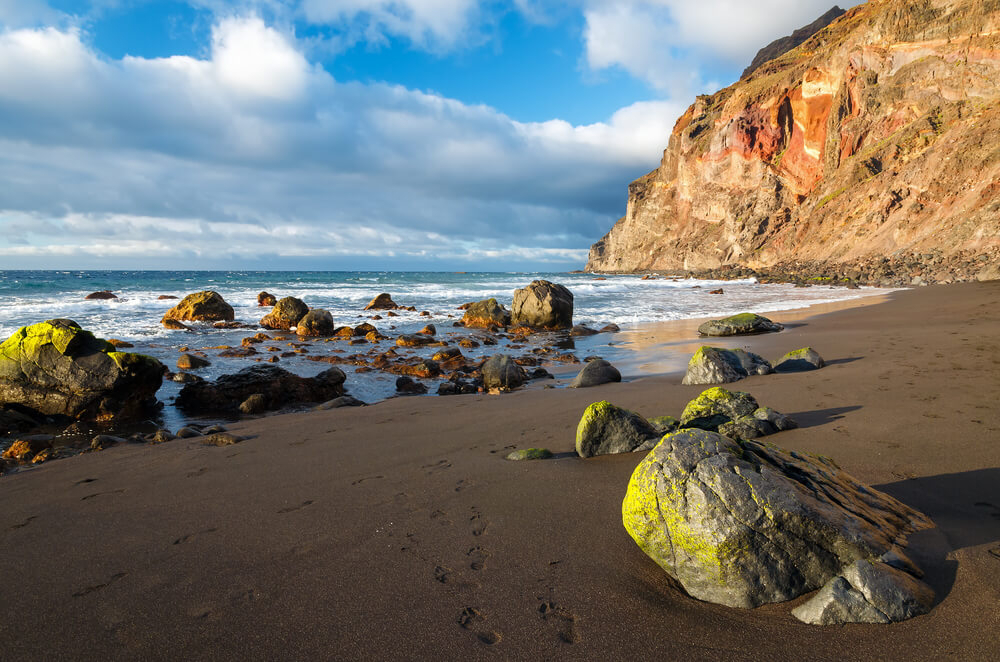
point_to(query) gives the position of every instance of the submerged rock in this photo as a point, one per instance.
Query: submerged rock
(278, 388)
(543, 305)
(717, 365)
(55, 368)
(594, 373)
(742, 524)
(206, 306)
(799, 360)
(502, 372)
(741, 324)
(486, 313)
(286, 313)
(734, 414)
(606, 429)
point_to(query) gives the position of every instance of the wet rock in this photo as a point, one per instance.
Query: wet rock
(255, 404)
(382, 302)
(485, 314)
(414, 340)
(606, 429)
(174, 325)
(342, 401)
(221, 439)
(407, 386)
(317, 322)
(255, 339)
(501, 372)
(594, 373)
(102, 441)
(543, 305)
(12, 420)
(192, 362)
(540, 373)
(744, 524)
(734, 414)
(428, 330)
(799, 360)
(55, 368)
(120, 344)
(206, 306)
(188, 432)
(717, 365)
(279, 388)
(266, 299)
(165, 297)
(742, 324)
(581, 330)
(286, 313)
(186, 378)
(162, 436)
(529, 454)
(103, 294)
(610, 328)
(362, 330)
(24, 449)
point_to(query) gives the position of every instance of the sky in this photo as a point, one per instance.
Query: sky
(346, 134)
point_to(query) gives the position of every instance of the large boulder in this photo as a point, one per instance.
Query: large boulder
(733, 413)
(717, 365)
(594, 373)
(285, 314)
(486, 313)
(739, 325)
(277, 387)
(544, 305)
(501, 372)
(55, 368)
(741, 523)
(317, 322)
(799, 360)
(382, 302)
(207, 306)
(605, 429)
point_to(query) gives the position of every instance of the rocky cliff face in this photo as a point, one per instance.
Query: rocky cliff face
(878, 136)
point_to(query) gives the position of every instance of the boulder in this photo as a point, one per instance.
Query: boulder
(596, 372)
(103, 294)
(362, 330)
(342, 401)
(486, 313)
(165, 297)
(286, 313)
(192, 362)
(255, 404)
(175, 325)
(317, 322)
(206, 306)
(501, 372)
(429, 330)
(717, 365)
(408, 386)
(742, 524)
(739, 325)
(799, 360)
(266, 299)
(606, 429)
(55, 368)
(278, 387)
(382, 302)
(544, 305)
(664, 424)
(415, 340)
(529, 454)
(734, 414)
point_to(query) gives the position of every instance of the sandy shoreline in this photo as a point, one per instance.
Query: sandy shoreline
(370, 533)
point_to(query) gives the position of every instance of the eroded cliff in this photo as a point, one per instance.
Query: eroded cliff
(877, 136)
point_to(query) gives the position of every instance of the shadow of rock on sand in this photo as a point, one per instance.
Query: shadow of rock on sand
(966, 509)
(817, 417)
(850, 359)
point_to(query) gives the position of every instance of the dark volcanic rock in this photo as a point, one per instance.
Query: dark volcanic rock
(596, 372)
(57, 368)
(104, 294)
(285, 314)
(206, 306)
(543, 305)
(408, 386)
(502, 372)
(717, 365)
(278, 387)
(743, 524)
(605, 429)
(739, 325)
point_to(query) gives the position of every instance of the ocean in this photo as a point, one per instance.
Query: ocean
(27, 297)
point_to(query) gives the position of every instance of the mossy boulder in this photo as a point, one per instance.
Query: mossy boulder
(486, 313)
(286, 313)
(664, 424)
(739, 325)
(799, 360)
(206, 306)
(733, 413)
(276, 387)
(55, 368)
(529, 454)
(316, 323)
(543, 305)
(717, 365)
(742, 524)
(605, 429)
(501, 372)
(594, 373)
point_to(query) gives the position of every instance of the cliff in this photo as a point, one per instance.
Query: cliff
(876, 137)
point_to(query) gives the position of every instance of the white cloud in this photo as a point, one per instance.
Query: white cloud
(26, 13)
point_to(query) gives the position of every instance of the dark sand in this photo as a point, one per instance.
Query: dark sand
(364, 533)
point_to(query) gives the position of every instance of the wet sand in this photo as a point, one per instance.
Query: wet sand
(398, 531)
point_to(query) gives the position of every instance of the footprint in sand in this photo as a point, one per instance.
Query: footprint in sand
(478, 523)
(361, 480)
(21, 525)
(435, 467)
(290, 509)
(97, 494)
(462, 484)
(198, 472)
(477, 558)
(472, 619)
(97, 587)
(188, 537)
(560, 621)
(443, 574)
(85, 480)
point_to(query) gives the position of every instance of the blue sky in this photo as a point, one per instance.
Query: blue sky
(330, 134)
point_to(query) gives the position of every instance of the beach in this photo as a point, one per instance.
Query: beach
(399, 531)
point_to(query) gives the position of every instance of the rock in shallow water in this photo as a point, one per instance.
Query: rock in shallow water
(596, 372)
(543, 305)
(737, 325)
(207, 306)
(743, 524)
(502, 372)
(277, 386)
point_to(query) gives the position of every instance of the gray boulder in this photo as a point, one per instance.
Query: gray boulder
(594, 373)
(717, 365)
(734, 414)
(739, 325)
(799, 360)
(501, 372)
(605, 429)
(743, 524)
(543, 305)
(867, 592)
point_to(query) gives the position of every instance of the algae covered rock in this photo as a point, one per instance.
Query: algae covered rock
(734, 414)
(286, 313)
(738, 325)
(502, 372)
(317, 322)
(486, 313)
(55, 368)
(664, 424)
(717, 365)
(543, 305)
(799, 360)
(606, 429)
(277, 387)
(206, 306)
(742, 524)
(529, 454)
(594, 373)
